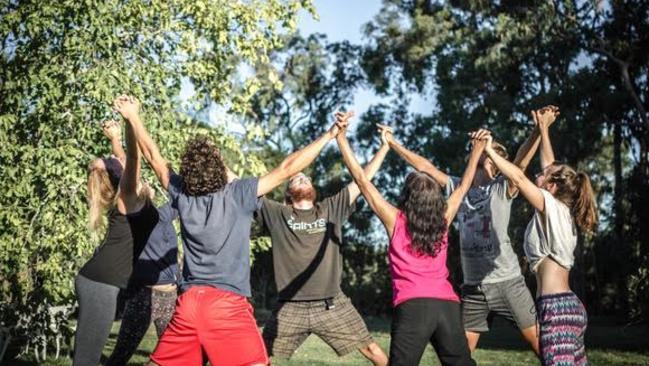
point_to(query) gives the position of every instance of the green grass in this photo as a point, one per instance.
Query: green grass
(608, 345)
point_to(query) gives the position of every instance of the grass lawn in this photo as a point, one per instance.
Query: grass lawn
(608, 345)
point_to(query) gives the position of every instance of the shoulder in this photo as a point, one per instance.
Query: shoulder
(268, 204)
(553, 202)
(243, 184)
(148, 212)
(166, 212)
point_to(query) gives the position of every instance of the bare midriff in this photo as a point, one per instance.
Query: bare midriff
(551, 278)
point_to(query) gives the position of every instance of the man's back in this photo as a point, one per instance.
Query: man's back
(215, 229)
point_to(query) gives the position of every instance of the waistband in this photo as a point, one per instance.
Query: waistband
(329, 302)
(337, 296)
(558, 295)
(161, 293)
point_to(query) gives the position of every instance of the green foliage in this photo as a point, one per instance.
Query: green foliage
(62, 63)
(489, 63)
(607, 344)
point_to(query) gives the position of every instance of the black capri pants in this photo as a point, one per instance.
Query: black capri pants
(418, 321)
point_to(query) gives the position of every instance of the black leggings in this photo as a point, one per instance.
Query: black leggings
(419, 321)
(97, 303)
(144, 306)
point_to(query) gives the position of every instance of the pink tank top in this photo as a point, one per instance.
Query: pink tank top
(417, 275)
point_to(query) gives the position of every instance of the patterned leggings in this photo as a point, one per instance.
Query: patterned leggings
(143, 307)
(563, 321)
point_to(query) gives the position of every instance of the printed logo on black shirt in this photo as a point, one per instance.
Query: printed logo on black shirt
(315, 227)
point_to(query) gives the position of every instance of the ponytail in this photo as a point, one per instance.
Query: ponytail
(575, 191)
(584, 208)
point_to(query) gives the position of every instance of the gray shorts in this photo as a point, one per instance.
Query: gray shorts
(510, 299)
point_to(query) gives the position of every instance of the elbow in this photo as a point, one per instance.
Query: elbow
(362, 180)
(286, 167)
(518, 178)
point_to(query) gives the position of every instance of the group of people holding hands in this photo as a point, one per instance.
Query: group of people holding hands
(202, 311)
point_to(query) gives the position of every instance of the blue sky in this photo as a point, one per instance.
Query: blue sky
(343, 20)
(340, 20)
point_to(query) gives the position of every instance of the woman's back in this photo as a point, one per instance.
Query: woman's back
(416, 275)
(112, 262)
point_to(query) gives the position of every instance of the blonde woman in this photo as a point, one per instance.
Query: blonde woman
(152, 290)
(100, 279)
(115, 194)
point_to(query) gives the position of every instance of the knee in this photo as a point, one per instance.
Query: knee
(374, 353)
(371, 348)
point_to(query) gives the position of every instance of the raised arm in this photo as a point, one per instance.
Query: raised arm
(128, 201)
(529, 190)
(147, 146)
(371, 168)
(383, 209)
(417, 161)
(112, 131)
(454, 201)
(544, 120)
(295, 163)
(527, 150)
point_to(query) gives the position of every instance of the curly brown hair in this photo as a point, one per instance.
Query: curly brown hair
(202, 167)
(424, 206)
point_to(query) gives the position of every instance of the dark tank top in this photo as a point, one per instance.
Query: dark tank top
(113, 260)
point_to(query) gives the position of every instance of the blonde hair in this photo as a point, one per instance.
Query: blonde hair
(575, 190)
(100, 195)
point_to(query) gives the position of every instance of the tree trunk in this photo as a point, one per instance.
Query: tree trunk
(618, 189)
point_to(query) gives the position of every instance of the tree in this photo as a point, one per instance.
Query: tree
(489, 63)
(62, 62)
(316, 78)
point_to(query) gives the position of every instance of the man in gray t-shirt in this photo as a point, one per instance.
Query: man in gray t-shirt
(493, 284)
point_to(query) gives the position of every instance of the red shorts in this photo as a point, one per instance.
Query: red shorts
(219, 322)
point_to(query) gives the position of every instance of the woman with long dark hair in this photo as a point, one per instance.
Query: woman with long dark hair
(564, 203)
(427, 309)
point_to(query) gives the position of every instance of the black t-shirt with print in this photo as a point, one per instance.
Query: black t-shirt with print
(306, 246)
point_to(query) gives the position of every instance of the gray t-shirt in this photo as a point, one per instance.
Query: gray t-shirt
(306, 246)
(482, 220)
(551, 234)
(215, 230)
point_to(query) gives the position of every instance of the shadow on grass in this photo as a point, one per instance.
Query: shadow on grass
(602, 333)
(605, 335)
(609, 343)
